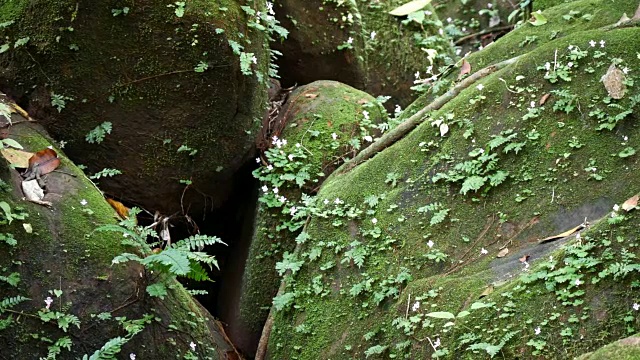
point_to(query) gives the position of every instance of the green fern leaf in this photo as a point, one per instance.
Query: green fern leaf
(472, 183)
(175, 259)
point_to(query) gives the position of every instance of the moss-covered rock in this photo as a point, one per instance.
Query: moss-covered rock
(360, 44)
(625, 349)
(435, 245)
(323, 121)
(163, 74)
(57, 249)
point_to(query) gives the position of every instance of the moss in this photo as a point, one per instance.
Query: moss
(625, 349)
(550, 190)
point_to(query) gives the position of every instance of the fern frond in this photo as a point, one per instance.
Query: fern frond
(10, 302)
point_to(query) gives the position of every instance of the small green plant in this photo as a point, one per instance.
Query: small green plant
(59, 101)
(97, 135)
(106, 172)
(118, 12)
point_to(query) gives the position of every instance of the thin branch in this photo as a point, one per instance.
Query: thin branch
(416, 119)
(483, 32)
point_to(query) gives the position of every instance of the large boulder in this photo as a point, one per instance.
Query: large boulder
(323, 123)
(360, 44)
(491, 229)
(57, 270)
(163, 76)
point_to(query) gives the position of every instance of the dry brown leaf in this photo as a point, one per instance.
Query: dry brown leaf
(631, 203)
(17, 158)
(613, 81)
(524, 258)
(122, 210)
(33, 192)
(623, 19)
(544, 98)
(46, 160)
(564, 234)
(20, 110)
(329, 123)
(362, 101)
(486, 291)
(503, 253)
(464, 69)
(311, 96)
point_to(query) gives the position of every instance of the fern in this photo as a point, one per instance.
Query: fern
(109, 350)
(8, 303)
(175, 259)
(197, 242)
(472, 183)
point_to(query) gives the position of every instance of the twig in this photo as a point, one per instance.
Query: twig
(416, 119)
(226, 338)
(406, 314)
(268, 325)
(483, 32)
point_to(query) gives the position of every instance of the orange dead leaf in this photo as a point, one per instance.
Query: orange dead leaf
(524, 259)
(464, 69)
(329, 123)
(17, 158)
(544, 98)
(46, 160)
(503, 253)
(631, 203)
(311, 96)
(122, 210)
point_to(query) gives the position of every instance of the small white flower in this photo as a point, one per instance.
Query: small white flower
(570, 47)
(284, 142)
(374, 221)
(275, 190)
(578, 282)
(481, 151)
(83, 202)
(192, 345)
(290, 157)
(269, 167)
(547, 66)
(449, 19)
(350, 40)
(625, 70)
(537, 330)
(578, 236)
(436, 344)
(132, 356)
(430, 69)
(368, 138)
(616, 207)
(489, 5)
(625, 138)
(397, 110)
(373, 35)
(602, 43)
(428, 13)
(293, 210)
(334, 136)
(570, 64)
(592, 43)
(416, 306)
(636, 306)
(365, 113)
(338, 201)
(350, 17)
(254, 59)
(265, 188)
(258, 160)
(484, 251)
(283, 199)
(417, 75)
(274, 138)
(48, 301)
(298, 145)
(430, 244)
(270, 8)
(480, 87)
(326, 201)
(533, 104)
(440, 31)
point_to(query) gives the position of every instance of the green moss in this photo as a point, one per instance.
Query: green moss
(550, 190)
(626, 349)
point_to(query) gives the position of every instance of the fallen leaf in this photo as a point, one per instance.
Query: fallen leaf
(486, 291)
(20, 111)
(17, 158)
(544, 98)
(464, 69)
(12, 143)
(329, 123)
(122, 210)
(444, 129)
(537, 19)
(33, 192)
(503, 253)
(27, 227)
(623, 19)
(613, 81)
(311, 96)
(362, 101)
(409, 7)
(46, 160)
(564, 234)
(524, 258)
(631, 203)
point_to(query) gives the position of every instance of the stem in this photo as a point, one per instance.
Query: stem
(416, 119)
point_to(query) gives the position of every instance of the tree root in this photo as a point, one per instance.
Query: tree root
(416, 119)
